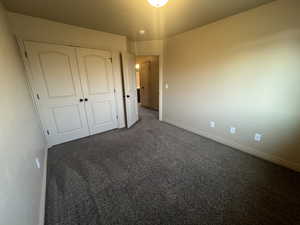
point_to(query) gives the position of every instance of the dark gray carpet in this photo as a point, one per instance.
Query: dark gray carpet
(155, 173)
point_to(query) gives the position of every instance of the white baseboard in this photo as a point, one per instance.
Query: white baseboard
(262, 155)
(43, 193)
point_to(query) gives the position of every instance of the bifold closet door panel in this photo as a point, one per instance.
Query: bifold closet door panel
(97, 81)
(56, 83)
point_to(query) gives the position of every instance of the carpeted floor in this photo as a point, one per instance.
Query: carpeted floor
(155, 173)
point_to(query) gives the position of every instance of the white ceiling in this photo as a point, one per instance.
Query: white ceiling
(127, 17)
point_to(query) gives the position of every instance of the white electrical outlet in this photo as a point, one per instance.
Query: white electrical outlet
(167, 86)
(37, 162)
(212, 124)
(232, 130)
(257, 137)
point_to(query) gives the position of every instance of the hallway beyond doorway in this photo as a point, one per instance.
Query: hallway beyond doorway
(147, 76)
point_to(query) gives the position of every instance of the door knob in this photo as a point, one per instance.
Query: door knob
(86, 99)
(128, 96)
(81, 100)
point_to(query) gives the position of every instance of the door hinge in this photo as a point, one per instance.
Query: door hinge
(26, 54)
(117, 117)
(48, 132)
(38, 96)
(110, 60)
(115, 90)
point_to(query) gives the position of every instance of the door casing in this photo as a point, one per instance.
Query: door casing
(162, 82)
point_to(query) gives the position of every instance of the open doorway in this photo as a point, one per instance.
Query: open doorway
(147, 79)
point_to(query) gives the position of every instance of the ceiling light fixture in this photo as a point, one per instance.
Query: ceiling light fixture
(158, 3)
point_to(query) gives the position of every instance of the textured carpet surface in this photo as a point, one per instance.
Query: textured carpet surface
(155, 173)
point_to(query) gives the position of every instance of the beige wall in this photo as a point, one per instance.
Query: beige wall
(131, 46)
(154, 47)
(243, 71)
(21, 139)
(36, 29)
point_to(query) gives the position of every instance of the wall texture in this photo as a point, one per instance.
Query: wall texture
(41, 30)
(154, 47)
(242, 71)
(21, 139)
(130, 46)
(37, 29)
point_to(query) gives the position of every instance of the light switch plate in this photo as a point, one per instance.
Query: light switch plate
(257, 137)
(212, 124)
(167, 86)
(37, 162)
(232, 130)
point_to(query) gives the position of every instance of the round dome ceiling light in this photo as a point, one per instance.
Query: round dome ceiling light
(158, 3)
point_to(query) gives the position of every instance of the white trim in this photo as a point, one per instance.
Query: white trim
(262, 155)
(43, 192)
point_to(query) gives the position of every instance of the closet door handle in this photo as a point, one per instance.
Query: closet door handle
(81, 100)
(86, 99)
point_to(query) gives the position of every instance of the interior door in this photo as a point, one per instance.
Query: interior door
(56, 83)
(98, 87)
(145, 84)
(130, 89)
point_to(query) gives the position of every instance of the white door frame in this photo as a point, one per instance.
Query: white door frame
(160, 60)
(116, 73)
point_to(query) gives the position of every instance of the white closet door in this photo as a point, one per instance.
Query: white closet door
(56, 83)
(130, 86)
(98, 88)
